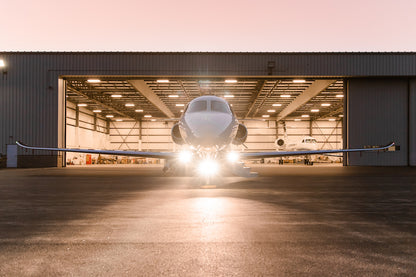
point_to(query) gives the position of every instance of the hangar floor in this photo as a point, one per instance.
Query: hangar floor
(130, 221)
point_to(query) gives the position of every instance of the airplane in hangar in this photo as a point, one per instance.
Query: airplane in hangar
(207, 128)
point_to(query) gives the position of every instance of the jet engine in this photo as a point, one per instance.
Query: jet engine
(176, 135)
(280, 143)
(241, 135)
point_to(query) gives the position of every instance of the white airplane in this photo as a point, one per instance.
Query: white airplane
(208, 127)
(307, 143)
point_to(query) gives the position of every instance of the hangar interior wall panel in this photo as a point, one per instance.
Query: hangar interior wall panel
(377, 114)
(412, 122)
(155, 136)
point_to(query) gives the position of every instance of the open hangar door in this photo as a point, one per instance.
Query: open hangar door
(125, 113)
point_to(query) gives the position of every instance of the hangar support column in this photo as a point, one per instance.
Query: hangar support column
(377, 113)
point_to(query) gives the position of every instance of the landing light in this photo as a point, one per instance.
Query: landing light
(208, 168)
(185, 156)
(232, 157)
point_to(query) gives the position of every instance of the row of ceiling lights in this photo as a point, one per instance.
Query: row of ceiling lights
(225, 96)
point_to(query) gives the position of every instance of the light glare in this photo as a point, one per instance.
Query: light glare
(233, 157)
(185, 156)
(208, 167)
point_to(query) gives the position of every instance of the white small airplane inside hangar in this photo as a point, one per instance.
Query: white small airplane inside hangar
(208, 127)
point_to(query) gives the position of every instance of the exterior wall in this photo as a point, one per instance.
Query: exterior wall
(30, 102)
(412, 122)
(377, 114)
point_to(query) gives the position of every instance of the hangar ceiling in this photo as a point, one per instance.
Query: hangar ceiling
(273, 98)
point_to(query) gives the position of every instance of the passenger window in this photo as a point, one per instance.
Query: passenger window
(218, 106)
(198, 106)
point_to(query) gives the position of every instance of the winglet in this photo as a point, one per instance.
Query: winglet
(21, 144)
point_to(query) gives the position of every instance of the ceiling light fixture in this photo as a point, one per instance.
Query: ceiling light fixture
(277, 105)
(265, 115)
(340, 95)
(229, 96)
(271, 111)
(231, 81)
(109, 116)
(97, 111)
(298, 119)
(93, 80)
(331, 119)
(163, 81)
(173, 96)
(82, 105)
(148, 115)
(116, 96)
(180, 105)
(138, 111)
(341, 115)
(129, 105)
(315, 110)
(119, 120)
(325, 105)
(285, 95)
(298, 81)
(305, 115)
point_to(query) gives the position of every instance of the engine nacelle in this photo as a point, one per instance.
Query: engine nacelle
(280, 143)
(176, 135)
(241, 135)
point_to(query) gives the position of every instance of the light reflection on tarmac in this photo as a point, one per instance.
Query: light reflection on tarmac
(292, 220)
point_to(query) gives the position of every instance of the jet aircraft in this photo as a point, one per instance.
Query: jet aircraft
(208, 127)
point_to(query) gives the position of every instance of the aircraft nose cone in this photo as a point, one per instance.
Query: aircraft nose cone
(208, 129)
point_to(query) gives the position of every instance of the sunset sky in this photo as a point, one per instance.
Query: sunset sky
(185, 25)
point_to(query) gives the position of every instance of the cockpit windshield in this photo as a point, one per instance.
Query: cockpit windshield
(218, 106)
(197, 106)
(309, 140)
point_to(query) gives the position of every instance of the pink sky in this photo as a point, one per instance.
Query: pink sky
(184, 25)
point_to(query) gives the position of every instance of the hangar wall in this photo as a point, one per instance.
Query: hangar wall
(29, 86)
(378, 113)
(412, 122)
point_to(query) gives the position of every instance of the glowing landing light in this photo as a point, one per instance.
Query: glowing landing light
(232, 157)
(185, 156)
(208, 168)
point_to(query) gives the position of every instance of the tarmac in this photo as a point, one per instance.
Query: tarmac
(132, 221)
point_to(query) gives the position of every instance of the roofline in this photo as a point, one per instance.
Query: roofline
(202, 53)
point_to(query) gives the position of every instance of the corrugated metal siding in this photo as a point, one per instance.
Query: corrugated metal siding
(412, 122)
(28, 96)
(377, 115)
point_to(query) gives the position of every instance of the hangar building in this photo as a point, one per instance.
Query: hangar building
(129, 100)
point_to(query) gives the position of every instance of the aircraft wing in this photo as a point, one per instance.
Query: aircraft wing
(158, 155)
(259, 155)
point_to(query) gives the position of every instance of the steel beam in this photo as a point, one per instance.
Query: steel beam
(147, 92)
(313, 90)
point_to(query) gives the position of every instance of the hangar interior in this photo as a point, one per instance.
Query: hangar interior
(137, 113)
